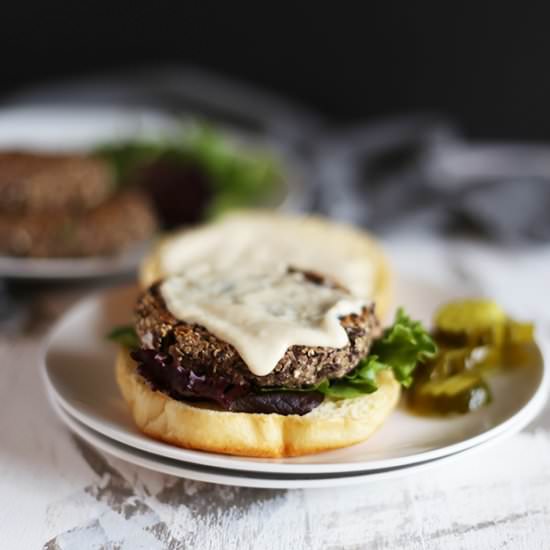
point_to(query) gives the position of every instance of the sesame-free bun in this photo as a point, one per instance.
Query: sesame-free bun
(348, 255)
(333, 424)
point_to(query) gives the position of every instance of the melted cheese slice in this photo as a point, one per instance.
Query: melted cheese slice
(260, 313)
(251, 241)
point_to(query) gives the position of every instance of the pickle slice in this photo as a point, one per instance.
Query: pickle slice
(451, 361)
(461, 393)
(519, 333)
(478, 321)
(473, 337)
(448, 362)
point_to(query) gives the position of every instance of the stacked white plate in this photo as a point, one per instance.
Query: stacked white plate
(79, 375)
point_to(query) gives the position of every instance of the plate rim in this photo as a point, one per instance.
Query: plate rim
(224, 476)
(513, 424)
(67, 269)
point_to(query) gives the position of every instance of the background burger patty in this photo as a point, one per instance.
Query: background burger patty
(31, 182)
(194, 347)
(106, 229)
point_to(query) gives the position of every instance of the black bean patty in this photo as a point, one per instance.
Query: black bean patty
(194, 347)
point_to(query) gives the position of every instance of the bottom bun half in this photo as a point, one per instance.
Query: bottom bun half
(333, 424)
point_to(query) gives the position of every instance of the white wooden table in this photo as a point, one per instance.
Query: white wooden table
(57, 492)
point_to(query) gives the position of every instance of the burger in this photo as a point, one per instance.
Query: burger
(260, 335)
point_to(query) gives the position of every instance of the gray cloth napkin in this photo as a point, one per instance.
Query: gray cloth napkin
(417, 174)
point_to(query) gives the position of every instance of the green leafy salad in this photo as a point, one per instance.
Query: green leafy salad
(195, 175)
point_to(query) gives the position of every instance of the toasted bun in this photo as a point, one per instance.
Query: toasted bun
(332, 425)
(350, 256)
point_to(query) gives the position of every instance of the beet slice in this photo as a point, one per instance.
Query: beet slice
(164, 373)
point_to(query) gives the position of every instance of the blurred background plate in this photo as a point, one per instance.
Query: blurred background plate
(83, 129)
(76, 129)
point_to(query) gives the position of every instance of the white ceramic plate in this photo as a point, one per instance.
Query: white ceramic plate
(79, 372)
(236, 478)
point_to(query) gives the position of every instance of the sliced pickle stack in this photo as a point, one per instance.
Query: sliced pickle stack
(473, 336)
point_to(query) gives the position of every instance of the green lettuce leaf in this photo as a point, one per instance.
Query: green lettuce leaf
(240, 176)
(358, 382)
(125, 336)
(402, 346)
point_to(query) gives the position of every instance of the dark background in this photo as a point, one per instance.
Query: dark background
(487, 66)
